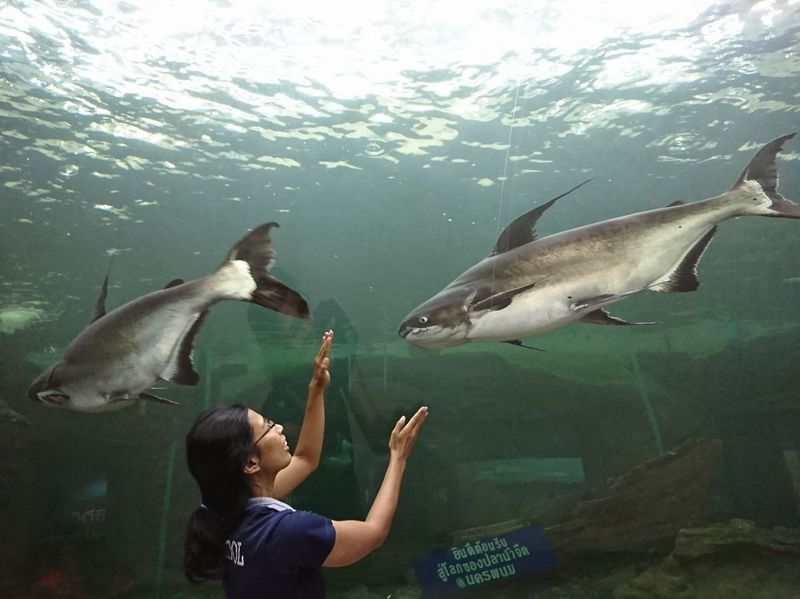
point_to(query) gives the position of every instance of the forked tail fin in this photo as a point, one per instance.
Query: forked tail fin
(763, 170)
(255, 248)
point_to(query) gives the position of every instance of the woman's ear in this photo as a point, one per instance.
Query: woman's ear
(252, 465)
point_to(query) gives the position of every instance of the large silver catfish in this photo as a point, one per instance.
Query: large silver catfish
(527, 286)
(119, 356)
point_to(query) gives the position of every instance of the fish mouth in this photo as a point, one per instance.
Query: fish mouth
(51, 400)
(427, 339)
(404, 330)
(33, 395)
(41, 393)
(41, 385)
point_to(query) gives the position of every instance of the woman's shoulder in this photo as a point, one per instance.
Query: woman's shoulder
(258, 516)
(303, 518)
(304, 532)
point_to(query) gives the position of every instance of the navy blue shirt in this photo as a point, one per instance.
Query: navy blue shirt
(276, 553)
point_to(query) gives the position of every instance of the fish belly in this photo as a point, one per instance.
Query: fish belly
(129, 357)
(528, 314)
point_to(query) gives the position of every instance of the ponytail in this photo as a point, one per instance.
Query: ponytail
(217, 447)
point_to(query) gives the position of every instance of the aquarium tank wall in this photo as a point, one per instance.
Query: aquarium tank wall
(394, 142)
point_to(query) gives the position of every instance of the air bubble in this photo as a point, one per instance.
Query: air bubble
(374, 148)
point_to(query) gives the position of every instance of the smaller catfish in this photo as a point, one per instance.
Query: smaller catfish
(528, 285)
(119, 356)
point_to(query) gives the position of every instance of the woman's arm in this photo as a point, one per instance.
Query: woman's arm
(305, 458)
(355, 538)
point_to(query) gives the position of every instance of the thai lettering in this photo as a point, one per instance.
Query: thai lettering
(477, 562)
(487, 575)
(471, 549)
(521, 551)
(488, 554)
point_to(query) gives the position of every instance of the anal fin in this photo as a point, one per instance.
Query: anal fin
(180, 368)
(684, 276)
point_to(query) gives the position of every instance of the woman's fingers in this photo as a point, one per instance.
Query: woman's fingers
(417, 420)
(322, 360)
(325, 346)
(404, 434)
(324, 351)
(399, 425)
(413, 424)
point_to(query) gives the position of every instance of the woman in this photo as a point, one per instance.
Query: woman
(243, 533)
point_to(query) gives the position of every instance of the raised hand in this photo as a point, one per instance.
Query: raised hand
(404, 434)
(321, 377)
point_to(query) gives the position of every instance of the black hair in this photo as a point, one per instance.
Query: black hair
(217, 447)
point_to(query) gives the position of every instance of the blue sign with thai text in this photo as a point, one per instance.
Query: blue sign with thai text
(473, 563)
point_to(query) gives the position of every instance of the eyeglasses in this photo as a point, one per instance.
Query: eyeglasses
(270, 425)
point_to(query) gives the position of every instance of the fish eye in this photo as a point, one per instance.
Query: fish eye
(422, 320)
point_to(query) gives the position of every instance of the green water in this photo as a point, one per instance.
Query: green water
(393, 142)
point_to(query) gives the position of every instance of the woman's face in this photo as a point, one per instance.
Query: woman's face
(268, 439)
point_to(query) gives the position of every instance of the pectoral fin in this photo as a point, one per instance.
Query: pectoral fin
(602, 317)
(497, 301)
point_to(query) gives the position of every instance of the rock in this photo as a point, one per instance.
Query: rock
(644, 508)
(729, 560)
(735, 535)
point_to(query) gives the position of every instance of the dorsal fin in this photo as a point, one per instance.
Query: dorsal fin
(523, 229)
(676, 203)
(100, 304)
(174, 283)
